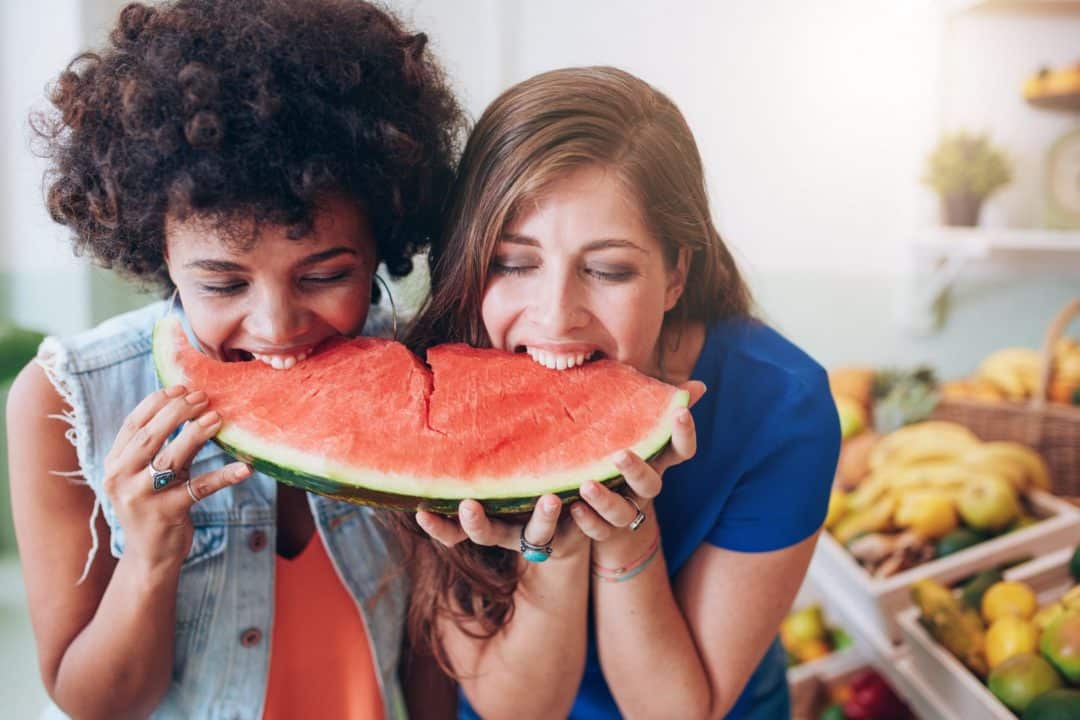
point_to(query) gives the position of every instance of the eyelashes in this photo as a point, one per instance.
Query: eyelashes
(316, 281)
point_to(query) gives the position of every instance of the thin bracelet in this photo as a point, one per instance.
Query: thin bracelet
(628, 571)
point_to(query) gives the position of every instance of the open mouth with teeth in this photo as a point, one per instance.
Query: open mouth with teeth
(276, 361)
(558, 360)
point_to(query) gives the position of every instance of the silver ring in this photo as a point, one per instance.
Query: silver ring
(160, 478)
(535, 553)
(639, 519)
(191, 491)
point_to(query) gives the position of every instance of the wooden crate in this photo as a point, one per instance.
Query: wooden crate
(837, 661)
(890, 660)
(961, 693)
(808, 696)
(876, 602)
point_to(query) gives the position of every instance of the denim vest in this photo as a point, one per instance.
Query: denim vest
(225, 600)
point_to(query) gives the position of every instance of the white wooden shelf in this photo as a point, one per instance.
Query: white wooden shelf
(940, 255)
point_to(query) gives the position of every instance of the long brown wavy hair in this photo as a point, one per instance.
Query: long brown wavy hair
(530, 136)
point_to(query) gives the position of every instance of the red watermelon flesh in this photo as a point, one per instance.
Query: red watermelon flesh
(365, 420)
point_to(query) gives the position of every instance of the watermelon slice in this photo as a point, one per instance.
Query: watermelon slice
(365, 420)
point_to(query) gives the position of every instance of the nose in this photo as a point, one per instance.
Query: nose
(559, 305)
(276, 318)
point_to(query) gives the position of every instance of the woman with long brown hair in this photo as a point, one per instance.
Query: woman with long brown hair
(580, 228)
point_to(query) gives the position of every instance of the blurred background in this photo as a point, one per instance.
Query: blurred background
(816, 122)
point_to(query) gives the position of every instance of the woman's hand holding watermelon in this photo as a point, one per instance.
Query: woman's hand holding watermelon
(543, 528)
(599, 517)
(157, 527)
(605, 512)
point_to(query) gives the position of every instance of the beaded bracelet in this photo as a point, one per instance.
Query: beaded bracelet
(626, 572)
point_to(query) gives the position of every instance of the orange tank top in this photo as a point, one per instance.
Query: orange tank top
(320, 658)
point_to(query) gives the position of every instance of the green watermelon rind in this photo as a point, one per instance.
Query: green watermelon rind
(499, 496)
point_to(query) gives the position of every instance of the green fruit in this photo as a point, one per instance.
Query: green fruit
(833, 712)
(1074, 565)
(1022, 678)
(1054, 705)
(974, 588)
(957, 540)
(840, 638)
(1060, 644)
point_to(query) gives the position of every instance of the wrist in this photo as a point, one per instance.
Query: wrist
(624, 552)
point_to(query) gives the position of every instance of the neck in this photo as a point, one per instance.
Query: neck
(678, 350)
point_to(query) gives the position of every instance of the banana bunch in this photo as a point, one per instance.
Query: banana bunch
(1015, 371)
(1014, 374)
(919, 476)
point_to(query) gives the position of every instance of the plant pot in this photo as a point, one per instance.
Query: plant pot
(961, 209)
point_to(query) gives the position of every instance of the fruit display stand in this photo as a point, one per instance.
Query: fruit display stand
(869, 649)
(961, 693)
(874, 603)
(836, 662)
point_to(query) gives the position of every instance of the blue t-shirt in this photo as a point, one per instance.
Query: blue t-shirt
(768, 441)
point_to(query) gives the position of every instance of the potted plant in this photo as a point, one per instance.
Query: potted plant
(965, 169)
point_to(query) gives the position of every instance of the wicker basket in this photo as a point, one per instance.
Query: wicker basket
(1051, 428)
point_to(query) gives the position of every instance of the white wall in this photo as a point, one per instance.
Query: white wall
(811, 117)
(47, 287)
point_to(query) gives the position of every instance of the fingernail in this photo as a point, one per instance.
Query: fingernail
(175, 391)
(196, 398)
(683, 417)
(210, 419)
(242, 472)
(622, 459)
(468, 512)
(588, 489)
(550, 508)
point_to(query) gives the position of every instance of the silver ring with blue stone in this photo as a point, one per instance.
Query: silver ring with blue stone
(534, 553)
(160, 478)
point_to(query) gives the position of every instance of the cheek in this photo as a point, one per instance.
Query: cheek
(497, 311)
(347, 312)
(211, 326)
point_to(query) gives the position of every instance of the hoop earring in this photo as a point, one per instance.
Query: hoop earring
(393, 308)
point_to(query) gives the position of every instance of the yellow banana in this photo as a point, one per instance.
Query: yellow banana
(932, 440)
(1018, 463)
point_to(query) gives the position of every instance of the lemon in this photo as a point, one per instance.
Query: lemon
(1008, 636)
(1009, 598)
(930, 513)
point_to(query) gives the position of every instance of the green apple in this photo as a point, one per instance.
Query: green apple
(1061, 644)
(988, 502)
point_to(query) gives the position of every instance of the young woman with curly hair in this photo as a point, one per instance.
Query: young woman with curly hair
(579, 227)
(257, 159)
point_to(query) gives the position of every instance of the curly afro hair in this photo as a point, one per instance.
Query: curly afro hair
(248, 108)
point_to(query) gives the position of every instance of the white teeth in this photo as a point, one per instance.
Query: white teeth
(281, 362)
(555, 361)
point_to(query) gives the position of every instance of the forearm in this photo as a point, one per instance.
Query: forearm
(540, 653)
(642, 632)
(120, 664)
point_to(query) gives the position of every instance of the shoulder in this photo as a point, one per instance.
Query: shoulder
(755, 367)
(116, 340)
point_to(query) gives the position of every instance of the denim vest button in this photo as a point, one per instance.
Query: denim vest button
(257, 540)
(251, 637)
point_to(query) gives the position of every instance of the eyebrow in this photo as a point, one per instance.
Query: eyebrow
(211, 265)
(601, 244)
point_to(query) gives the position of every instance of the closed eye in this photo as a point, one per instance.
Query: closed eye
(326, 279)
(226, 289)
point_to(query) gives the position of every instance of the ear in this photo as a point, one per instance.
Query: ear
(677, 278)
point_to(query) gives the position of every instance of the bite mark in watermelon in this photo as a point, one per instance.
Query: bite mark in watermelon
(365, 420)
